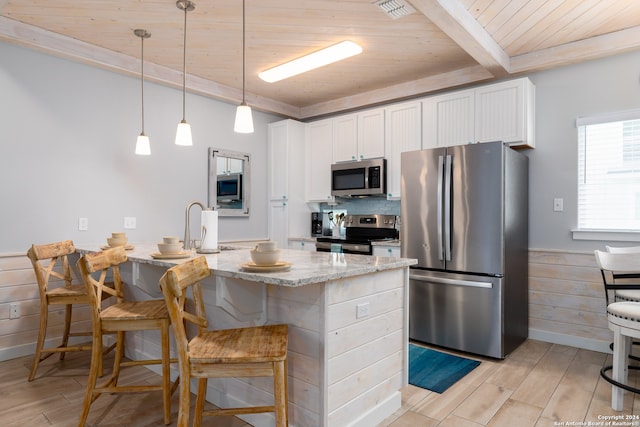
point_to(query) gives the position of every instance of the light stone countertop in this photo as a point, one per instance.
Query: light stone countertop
(307, 267)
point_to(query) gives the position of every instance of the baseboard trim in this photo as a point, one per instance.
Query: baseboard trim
(570, 340)
(380, 412)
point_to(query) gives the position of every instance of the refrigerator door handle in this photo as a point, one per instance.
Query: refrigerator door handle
(439, 206)
(447, 208)
(444, 281)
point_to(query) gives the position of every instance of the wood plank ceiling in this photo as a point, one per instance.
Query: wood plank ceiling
(444, 44)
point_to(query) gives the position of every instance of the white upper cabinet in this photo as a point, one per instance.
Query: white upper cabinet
(358, 136)
(226, 165)
(403, 132)
(505, 112)
(449, 119)
(498, 112)
(319, 149)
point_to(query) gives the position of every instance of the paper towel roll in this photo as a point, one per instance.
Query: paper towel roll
(209, 233)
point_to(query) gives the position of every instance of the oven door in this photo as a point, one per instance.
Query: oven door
(344, 247)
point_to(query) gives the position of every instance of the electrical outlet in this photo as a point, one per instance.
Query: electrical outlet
(558, 204)
(14, 311)
(130, 222)
(83, 224)
(362, 310)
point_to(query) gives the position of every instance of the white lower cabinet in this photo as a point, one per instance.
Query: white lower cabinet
(302, 245)
(388, 251)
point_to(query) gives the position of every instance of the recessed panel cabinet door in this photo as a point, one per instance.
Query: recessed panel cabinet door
(505, 112)
(319, 158)
(449, 119)
(403, 132)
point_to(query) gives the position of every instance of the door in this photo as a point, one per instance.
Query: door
(421, 206)
(475, 238)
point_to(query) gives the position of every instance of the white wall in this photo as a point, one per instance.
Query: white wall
(67, 151)
(562, 95)
(68, 134)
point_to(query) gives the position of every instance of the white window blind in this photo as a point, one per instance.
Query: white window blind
(609, 172)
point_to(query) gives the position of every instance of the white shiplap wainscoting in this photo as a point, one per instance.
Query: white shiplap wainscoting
(566, 300)
(18, 286)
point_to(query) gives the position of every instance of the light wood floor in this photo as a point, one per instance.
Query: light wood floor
(540, 385)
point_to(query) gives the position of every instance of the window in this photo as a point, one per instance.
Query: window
(609, 172)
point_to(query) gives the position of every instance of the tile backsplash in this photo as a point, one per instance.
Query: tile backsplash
(364, 206)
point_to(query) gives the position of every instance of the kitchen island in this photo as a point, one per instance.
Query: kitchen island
(348, 329)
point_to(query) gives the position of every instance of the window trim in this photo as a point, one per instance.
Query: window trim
(606, 235)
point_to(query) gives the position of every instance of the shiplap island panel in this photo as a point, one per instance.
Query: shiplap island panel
(348, 329)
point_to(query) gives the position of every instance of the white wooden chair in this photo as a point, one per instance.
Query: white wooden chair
(623, 318)
(259, 351)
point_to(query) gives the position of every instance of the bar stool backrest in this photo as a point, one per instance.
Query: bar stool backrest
(619, 270)
(57, 254)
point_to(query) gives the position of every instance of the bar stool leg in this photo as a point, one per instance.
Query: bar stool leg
(620, 370)
(166, 372)
(202, 393)
(67, 329)
(44, 315)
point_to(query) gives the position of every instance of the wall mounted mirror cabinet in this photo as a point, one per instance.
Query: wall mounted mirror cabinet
(229, 178)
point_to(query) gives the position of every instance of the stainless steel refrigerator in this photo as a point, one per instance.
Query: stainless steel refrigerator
(464, 214)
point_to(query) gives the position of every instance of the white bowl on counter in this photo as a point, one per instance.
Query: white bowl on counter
(170, 248)
(265, 258)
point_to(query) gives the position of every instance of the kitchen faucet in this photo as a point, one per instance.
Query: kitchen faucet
(187, 234)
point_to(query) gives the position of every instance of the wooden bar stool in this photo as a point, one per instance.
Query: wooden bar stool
(50, 264)
(245, 352)
(120, 317)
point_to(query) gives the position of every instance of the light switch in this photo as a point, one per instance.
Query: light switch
(83, 224)
(558, 204)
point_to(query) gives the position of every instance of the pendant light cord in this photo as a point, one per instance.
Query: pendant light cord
(142, 78)
(184, 65)
(243, 50)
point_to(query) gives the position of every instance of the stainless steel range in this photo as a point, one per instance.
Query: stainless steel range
(360, 232)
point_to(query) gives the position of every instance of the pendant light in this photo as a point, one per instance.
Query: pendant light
(183, 134)
(142, 144)
(244, 118)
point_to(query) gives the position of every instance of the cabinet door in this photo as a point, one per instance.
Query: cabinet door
(319, 158)
(371, 134)
(449, 119)
(277, 162)
(345, 138)
(388, 251)
(501, 111)
(279, 222)
(403, 132)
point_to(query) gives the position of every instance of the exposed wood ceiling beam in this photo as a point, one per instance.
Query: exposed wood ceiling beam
(403, 90)
(457, 23)
(578, 51)
(59, 45)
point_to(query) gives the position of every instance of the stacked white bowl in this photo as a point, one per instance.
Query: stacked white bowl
(265, 254)
(170, 245)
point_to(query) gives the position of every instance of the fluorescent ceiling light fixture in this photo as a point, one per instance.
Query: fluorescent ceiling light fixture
(329, 55)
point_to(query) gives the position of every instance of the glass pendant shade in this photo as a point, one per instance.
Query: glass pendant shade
(244, 119)
(183, 134)
(142, 145)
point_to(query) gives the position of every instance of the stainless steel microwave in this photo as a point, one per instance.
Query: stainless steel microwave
(359, 178)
